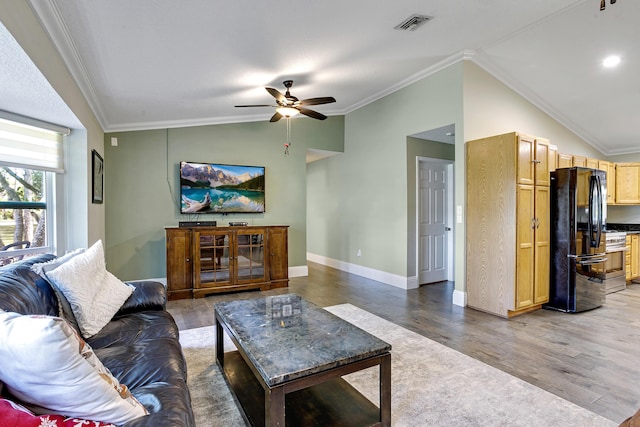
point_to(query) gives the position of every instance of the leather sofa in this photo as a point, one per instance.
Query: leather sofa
(139, 345)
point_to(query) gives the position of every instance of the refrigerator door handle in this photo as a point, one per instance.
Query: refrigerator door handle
(590, 214)
(601, 203)
(595, 212)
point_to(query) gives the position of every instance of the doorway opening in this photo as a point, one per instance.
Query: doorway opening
(434, 217)
(434, 205)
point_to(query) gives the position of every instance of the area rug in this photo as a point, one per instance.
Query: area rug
(431, 384)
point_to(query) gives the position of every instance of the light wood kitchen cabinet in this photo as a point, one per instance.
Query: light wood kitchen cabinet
(627, 183)
(208, 260)
(632, 257)
(610, 169)
(508, 235)
(564, 160)
(635, 257)
(579, 161)
(534, 160)
(592, 163)
(553, 160)
(627, 258)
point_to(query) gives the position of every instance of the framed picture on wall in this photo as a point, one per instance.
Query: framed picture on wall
(97, 186)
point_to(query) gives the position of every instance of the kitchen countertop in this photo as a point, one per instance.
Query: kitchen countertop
(629, 228)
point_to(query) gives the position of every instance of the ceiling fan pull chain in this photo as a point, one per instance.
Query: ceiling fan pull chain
(288, 143)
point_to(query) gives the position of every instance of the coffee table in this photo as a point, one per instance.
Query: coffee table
(289, 359)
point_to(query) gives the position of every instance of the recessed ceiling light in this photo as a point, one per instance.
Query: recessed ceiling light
(611, 61)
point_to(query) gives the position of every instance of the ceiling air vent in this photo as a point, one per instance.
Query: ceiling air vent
(413, 22)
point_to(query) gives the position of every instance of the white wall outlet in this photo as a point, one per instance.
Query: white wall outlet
(459, 214)
(359, 253)
(114, 141)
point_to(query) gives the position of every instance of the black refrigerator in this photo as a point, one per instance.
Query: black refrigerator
(578, 219)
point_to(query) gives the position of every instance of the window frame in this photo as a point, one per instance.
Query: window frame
(49, 210)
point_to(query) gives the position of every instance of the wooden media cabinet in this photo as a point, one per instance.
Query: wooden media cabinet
(208, 260)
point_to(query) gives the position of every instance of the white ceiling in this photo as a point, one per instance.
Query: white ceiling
(161, 63)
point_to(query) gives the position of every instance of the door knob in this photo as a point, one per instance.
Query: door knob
(447, 229)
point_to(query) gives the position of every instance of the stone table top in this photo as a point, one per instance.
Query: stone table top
(287, 337)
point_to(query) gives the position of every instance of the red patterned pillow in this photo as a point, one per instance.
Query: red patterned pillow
(14, 415)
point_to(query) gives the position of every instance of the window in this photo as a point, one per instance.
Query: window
(23, 213)
(29, 158)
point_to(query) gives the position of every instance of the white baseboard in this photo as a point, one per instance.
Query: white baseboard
(298, 271)
(459, 298)
(396, 280)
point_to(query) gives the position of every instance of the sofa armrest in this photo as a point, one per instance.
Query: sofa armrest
(148, 295)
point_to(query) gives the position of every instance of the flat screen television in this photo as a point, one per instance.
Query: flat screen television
(217, 188)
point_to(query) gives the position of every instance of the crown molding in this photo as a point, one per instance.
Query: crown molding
(439, 66)
(48, 13)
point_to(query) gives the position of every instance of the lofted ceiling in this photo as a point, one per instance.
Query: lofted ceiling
(160, 63)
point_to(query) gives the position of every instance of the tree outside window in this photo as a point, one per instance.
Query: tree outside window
(22, 209)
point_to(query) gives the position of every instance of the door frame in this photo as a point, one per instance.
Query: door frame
(449, 164)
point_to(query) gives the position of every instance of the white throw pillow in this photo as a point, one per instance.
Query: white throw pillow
(95, 295)
(49, 367)
(64, 309)
(43, 268)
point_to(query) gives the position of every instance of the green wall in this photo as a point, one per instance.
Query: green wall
(142, 185)
(358, 200)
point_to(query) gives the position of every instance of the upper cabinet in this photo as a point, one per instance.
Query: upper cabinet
(592, 163)
(610, 169)
(564, 160)
(627, 183)
(536, 158)
(623, 179)
(579, 161)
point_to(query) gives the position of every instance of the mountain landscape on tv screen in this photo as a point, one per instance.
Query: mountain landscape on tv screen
(210, 188)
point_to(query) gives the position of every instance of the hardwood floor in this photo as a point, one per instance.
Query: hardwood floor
(590, 358)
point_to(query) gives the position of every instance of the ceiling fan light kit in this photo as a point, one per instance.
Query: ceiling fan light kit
(289, 106)
(287, 111)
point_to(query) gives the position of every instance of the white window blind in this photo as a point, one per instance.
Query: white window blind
(30, 147)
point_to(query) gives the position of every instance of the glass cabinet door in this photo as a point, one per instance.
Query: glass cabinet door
(250, 245)
(213, 253)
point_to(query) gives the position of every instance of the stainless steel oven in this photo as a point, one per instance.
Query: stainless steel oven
(615, 248)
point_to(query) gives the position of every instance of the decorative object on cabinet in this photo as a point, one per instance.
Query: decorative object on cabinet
(508, 223)
(208, 260)
(97, 186)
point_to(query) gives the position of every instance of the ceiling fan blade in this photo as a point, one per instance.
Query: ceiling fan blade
(317, 101)
(277, 116)
(256, 105)
(311, 113)
(277, 95)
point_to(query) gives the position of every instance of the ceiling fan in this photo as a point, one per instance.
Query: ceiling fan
(289, 105)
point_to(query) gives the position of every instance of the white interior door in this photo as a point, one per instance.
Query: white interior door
(433, 216)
